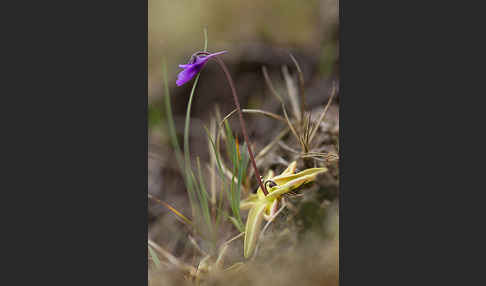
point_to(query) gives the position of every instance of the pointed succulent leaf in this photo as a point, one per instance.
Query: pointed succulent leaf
(300, 178)
(283, 179)
(247, 203)
(262, 206)
(252, 230)
(290, 169)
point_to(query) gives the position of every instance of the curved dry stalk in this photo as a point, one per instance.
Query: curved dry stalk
(224, 246)
(255, 111)
(275, 141)
(267, 148)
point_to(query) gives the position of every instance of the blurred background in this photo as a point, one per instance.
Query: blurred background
(254, 33)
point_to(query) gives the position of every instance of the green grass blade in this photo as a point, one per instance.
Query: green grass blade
(234, 194)
(230, 145)
(236, 223)
(187, 163)
(221, 175)
(204, 198)
(170, 119)
(154, 257)
(241, 177)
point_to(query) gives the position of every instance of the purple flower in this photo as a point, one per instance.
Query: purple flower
(194, 65)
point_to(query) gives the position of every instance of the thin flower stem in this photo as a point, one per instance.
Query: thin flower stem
(242, 122)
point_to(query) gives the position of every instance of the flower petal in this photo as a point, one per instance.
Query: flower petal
(186, 75)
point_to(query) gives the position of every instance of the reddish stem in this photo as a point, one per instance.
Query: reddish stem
(242, 122)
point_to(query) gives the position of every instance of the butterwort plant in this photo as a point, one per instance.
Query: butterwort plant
(265, 207)
(194, 67)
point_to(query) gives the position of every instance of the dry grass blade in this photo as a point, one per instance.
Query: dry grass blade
(306, 133)
(301, 83)
(212, 163)
(292, 93)
(172, 209)
(224, 246)
(289, 123)
(288, 148)
(196, 246)
(270, 85)
(255, 111)
(316, 127)
(275, 93)
(282, 161)
(229, 174)
(330, 157)
(220, 134)
(274, 142)
(171, 258)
